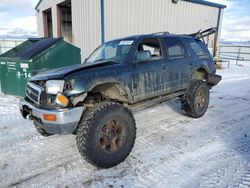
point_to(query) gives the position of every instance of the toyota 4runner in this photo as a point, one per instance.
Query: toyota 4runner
(94, 100)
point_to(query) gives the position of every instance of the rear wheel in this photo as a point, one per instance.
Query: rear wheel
(106, 137)
(195, 101)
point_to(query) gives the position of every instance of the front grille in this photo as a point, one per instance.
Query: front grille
(33, 92)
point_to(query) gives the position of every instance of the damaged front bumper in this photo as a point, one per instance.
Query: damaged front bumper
(65, 121)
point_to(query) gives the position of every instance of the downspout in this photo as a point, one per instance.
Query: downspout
(217, 34)
(102, 22)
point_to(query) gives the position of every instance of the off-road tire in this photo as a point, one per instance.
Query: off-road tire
(93, 147)
(190, 106)
(41, 130)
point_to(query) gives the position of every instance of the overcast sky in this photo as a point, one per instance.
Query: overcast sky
(236, 20)
(18, 17)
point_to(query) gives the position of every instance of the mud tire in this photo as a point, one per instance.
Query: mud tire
(91, 143)
(41, 130)
(195, 101)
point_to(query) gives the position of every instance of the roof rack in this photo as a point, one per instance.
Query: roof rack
(205, 33)
(161, 33)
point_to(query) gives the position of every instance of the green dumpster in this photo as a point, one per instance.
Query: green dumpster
(31, 57)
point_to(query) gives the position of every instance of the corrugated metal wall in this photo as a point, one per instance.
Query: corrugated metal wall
(39, 19)
(129, 17)
(86, 25)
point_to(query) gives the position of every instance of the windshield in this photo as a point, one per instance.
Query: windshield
(115, 50)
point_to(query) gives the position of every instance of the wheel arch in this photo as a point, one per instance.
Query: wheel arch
(100, 90)
(111, 90)
(199, 73)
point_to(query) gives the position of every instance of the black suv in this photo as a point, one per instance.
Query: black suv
(93, 100)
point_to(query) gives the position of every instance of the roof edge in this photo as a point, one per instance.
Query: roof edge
(37, 5)
(202, 2)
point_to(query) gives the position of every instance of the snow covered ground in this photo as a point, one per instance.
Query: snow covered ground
(171, 150)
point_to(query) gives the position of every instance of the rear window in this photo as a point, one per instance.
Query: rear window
(198, 47)
(175, 49)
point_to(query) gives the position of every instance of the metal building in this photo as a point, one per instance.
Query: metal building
(88, 23)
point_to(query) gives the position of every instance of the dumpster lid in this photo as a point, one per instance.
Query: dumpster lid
(40, 44)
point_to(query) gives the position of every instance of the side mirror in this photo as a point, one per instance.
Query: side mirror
(143, 56)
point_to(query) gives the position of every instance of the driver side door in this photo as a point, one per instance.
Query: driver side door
(146, 75)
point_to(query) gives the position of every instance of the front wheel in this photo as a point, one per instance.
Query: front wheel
(195, 101)
(41, 130)
(107, 135)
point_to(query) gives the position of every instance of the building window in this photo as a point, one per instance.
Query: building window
(47, 23)
(65, 20)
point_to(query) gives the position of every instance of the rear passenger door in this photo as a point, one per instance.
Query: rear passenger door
(178, 64)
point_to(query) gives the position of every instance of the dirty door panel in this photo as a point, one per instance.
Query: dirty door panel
(178, 64)
(147, 81)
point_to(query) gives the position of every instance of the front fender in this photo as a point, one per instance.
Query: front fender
(119, 85)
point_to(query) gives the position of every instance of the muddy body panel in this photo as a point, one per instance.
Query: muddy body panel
(144, 68)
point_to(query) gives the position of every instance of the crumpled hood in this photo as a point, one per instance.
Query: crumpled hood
(60, 73)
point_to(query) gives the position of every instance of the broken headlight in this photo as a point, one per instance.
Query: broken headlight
(54, 86)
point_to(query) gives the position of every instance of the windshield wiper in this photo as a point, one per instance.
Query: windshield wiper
(108, 60)
(99, 60)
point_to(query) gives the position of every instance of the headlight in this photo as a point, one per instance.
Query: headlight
(62, 100)
(54, 86)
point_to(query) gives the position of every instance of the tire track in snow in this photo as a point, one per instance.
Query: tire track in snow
(41, 172)
(245, 183)
(5, 118)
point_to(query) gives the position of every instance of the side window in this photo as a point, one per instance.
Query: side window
(153, 45)
(175, 49)
(197, 47)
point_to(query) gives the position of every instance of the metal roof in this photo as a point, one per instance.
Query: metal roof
(38, 46)
(37, 5)
(201, 2)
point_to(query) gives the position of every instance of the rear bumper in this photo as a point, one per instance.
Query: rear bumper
(213, 79)
(66, 119)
